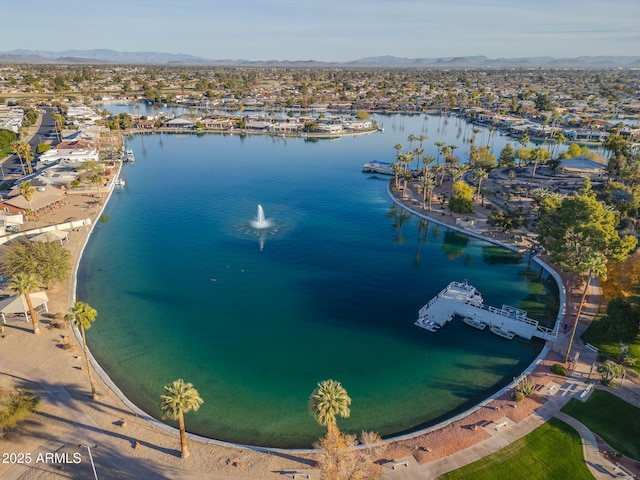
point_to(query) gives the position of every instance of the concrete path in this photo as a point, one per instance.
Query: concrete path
(112, 462)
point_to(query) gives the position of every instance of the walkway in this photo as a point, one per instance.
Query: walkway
(110, 460)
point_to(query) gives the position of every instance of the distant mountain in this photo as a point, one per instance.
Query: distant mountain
(384, 61)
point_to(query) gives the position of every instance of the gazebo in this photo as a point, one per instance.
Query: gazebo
(18, 304)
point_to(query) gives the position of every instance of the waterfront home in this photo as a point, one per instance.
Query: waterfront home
(73, 153)
(44, 200)
(180, 122)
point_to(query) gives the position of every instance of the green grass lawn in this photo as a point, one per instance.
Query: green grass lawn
(615, 420)
(596, 337)
(551, 451)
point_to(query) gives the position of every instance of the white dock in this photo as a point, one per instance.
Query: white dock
(464, 300)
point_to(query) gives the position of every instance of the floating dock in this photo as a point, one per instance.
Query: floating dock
(375, 166)
(464, 300)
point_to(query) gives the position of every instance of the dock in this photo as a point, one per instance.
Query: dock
(464, 300)
(375, 166)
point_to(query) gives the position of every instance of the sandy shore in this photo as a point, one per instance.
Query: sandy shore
(127, 443)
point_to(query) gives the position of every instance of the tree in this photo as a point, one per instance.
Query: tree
(96, 179)
(594, 265)
(507, 156)
(180, 398)
(25, 155)
(48, 261)
(609, 371)
(461, 198)
(581, 225)
(82, 316)
(327, 401)
(27, 191)
(456, 172)
(539, 155)
(480, 175)
(24, 284)
(340, 460)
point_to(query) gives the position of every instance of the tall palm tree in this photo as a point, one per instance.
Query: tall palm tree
(28, 191)
(24, 284)
(96, 179)
(180, 398)
(595, 266)
(439, 146)
(428, 184)
(480, 175)
(456, 172)
(327, 401)
(25, 155)
(82, 316)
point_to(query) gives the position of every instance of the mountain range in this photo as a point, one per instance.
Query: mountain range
(386, 61)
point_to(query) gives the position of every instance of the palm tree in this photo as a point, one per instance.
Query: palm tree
(480, 175)
(27, 191)
(457, 171)
(180, 398)
(428, 184)
(327, 401)
(23, 151)
(594, 265)
(82, 316)
(96, 179)
(23, 284)
(439, 146)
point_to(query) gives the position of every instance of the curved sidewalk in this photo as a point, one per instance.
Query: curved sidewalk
(84, 430)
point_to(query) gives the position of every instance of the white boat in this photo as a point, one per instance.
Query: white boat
(427, 324)
(128, 156)
(501, 332)
(120, 182)
(472, 322)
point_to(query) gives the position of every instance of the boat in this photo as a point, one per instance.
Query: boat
(472, 322)
(120, 182)
(427, 324)
(501, 332)
(128, 156)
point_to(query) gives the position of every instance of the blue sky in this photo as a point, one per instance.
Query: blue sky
(327, 30)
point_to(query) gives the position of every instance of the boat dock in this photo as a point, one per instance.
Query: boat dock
(375, 166)
(464, 300)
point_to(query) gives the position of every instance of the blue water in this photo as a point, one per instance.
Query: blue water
(185, 288)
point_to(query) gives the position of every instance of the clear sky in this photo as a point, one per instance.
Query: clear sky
(327, 30)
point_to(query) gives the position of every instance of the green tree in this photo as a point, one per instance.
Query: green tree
(48, 262)
(27, 191)
(480, 175)
(581, 225)
(25, 155)
(82, 315)
(180, 398)
(609, 371)
(539, 155)
(507, 156)
(327, 401)
(462, 198)
(24, 284)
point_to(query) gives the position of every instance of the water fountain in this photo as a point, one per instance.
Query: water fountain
(260, 222)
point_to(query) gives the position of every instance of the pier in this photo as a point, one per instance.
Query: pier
(464, 300)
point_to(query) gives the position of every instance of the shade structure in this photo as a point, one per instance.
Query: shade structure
(18, 304)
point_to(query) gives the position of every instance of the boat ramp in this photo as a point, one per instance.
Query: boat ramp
(464, 300)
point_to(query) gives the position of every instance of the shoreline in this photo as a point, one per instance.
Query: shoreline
(204, 442)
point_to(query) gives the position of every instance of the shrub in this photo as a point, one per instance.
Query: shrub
(559, 369)
(517, 396)
(21, 404)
